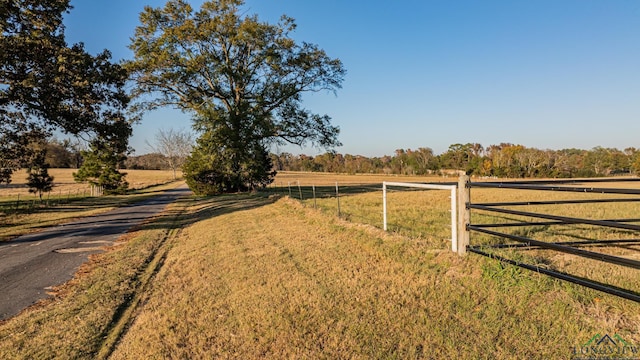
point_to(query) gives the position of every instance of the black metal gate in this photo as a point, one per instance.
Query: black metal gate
(512, 210)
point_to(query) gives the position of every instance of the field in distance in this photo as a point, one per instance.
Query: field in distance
(64, 183)
(285, 178)
(22, 212)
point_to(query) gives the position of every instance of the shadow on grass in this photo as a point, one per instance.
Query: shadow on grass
(199, 208)
(81, 214)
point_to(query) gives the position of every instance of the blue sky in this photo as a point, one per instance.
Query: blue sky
(549, 74)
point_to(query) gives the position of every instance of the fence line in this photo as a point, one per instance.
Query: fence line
(313, 195)
(30, 203)
(462, 227)
(452, 188)
(556, 220)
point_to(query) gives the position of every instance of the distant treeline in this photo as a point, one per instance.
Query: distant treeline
(68, 154)
(504, 160)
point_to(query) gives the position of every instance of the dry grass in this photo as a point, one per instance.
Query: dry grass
(80, 321)
(64, 183)
(32, 216)
(324, 179)
(234, 287)
(250, 277)
(425, 215)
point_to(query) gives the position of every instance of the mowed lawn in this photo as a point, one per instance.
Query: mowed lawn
(257, 276)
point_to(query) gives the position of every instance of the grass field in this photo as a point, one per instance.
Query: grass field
(64, 183)
(22, 212)
(425, 215)
(261, 276)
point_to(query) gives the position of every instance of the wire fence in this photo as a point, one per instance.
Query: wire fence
(22, 204)
(417, 213)
(28, 203)
(598, 229)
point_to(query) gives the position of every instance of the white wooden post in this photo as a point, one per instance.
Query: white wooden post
(454, 223)
(464, 213)
(338, 198)
(315, 205)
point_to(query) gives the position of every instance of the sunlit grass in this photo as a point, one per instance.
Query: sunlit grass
(283, 178)
(18, 217)
(250, 276)
(64, 185)
(283, 281)
(426, 215)
(78, 322)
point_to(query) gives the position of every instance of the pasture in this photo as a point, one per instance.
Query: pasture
(22, 212)
(263, 276)
(425, 215)
(65, 185)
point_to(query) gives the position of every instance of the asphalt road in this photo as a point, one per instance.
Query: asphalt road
(31, 264)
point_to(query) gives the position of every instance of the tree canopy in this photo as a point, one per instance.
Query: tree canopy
(101, 162)
(46, 85)
(242, 80)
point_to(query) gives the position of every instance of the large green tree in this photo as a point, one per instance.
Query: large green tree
(47, 85)
(242, 80)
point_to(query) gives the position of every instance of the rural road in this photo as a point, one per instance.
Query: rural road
(30, 264)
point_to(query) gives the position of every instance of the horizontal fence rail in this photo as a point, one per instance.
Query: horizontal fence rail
(613, 290)
(557, 188)
(577, 238)
(559, 219)
(569, 247)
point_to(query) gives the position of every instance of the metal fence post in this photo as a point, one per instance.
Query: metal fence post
(338, 198)
(315, 205)
(384, 205)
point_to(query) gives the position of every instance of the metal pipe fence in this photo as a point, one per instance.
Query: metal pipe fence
(513, 231)
(519, 219)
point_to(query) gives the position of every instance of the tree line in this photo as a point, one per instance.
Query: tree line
(503, 160)
(68, 154)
